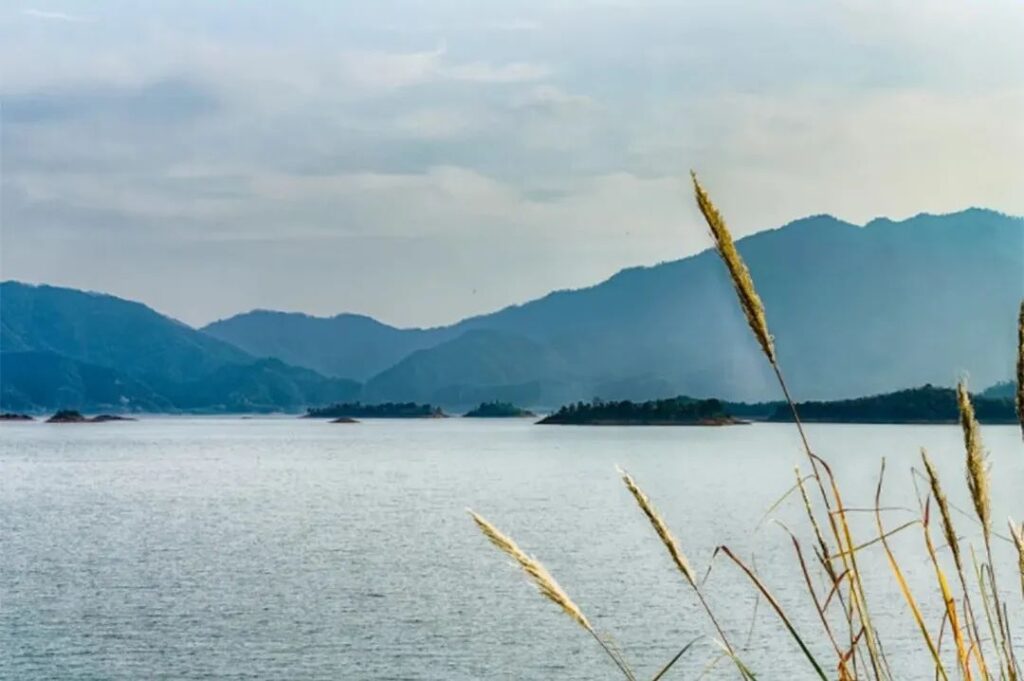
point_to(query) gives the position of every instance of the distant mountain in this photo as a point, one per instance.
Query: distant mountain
(107, 331)
(348, 345)
(477, 366)
(63, 348)
(265, 385)
(855, 310)
(37, 381)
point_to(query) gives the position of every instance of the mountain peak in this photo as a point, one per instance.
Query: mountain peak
(971, 213)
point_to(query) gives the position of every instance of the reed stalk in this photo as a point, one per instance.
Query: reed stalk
(1019, 393)
(953, 542)
(978, 485)
(679, 560)
(753, 310)
(902, 582)
(1017, 533)
(864, 658)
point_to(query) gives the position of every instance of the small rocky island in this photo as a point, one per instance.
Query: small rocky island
(678, 411)
(8, 416)
(388, 410)
(72, 416)
(497, 410)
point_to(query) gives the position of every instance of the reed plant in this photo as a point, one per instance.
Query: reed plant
(974, 611)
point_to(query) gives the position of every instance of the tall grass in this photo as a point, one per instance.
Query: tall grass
(973, 609)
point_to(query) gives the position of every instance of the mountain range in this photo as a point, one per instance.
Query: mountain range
(63, 348)
(856, 310)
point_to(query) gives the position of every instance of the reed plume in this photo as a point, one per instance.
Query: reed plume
(678, 557)
(978, 484)
(548, 587)
(682, 564)
(1020, 368)
(750, 302)
(543, 580)
(977, 464)
(943, 503)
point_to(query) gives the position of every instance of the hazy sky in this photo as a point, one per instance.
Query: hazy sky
(421, 161)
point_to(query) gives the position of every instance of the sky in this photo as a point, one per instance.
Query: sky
(424, 161)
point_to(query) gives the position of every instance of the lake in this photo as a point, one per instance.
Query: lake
(281, 548)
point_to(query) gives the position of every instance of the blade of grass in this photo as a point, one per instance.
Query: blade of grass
(778, 609)
(901, 580)
(664, 670)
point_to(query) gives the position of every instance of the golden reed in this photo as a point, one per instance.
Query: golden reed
(678, 557)
(977, 465)
(545, 583)
(750, 302)
(549, 588)
(943, 503)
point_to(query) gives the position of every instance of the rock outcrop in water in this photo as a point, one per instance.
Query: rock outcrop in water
(72, 416)
(6, 416)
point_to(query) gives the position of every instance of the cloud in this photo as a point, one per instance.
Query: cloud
(54, 16)
(340, 154)
(389, 70)
(483, 72)
(159, 102)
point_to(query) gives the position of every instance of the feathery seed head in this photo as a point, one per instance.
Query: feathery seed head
(977, 464)
(750, 302)
(543, 580)
(940, 499)
(678, 557)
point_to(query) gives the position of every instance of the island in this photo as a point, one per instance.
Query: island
(678, 411)
(497, 410)
(8, 416)
(924, 405)
(72, 416)
(387, 410)
(344, 419)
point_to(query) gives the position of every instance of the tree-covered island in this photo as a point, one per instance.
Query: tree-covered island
(927, 404)
(496, 409)
(678, 411)
(387, 410)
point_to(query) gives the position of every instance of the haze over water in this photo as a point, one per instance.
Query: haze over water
(282, 548)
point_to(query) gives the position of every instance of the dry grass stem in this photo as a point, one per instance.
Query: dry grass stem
(750, 302)
(1020, 368)
(1018, 541)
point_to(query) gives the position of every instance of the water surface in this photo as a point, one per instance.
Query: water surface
(294, 549)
